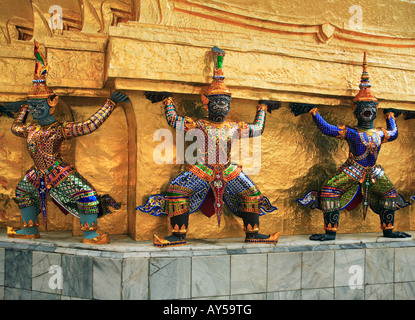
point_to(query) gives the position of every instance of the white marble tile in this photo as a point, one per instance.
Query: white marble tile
(17, 294)
(404, 264)
(284, 271)
(317, 269)
(135, 279)
(405, 291)
(170, 278)
(284, 295)
(2, 262)
(23, 294)
(251, 296)
(379, 266)
(71, 298)
(349, 267)
(318, 294)
(18, 269)
(77, 276)
(213, 298)
(36, 295)
(379, 291)
(47, 272)
(107, 279)
(211, 276)
(348, 293)
(248, 273)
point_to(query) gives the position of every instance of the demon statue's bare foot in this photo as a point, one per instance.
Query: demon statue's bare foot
(398, 234)
(170, 241)
(262, 238)
(323, 236)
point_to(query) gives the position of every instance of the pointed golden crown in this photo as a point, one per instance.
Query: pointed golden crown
(218, 85)
(39, 89)
(364, 93)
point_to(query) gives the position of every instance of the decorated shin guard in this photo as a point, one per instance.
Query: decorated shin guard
(251, 227)
(251, 224)
(89, 226)
(331, 222)
(177, 209)
(29, 224)
(179, 226)
(387, 218)
(88, 208)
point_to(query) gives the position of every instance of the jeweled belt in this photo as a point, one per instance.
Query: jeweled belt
(359, 172)
(47, 171)
(44, 187)
(366, 176)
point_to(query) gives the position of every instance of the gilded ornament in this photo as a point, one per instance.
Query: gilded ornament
(213, 180)
(51, 174)
(360, 178)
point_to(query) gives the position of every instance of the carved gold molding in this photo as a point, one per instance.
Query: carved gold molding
(277, 60)
(280, 68)
(269, 23)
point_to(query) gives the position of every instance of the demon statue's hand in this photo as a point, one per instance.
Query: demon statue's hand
(409, 115)
(3, 111)
(10, 108)
(157, 96)
(396, 112)
(271, 104)
(119, 97)
(301, 108)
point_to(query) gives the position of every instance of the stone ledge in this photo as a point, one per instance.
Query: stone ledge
(122, 246)
(225, 269)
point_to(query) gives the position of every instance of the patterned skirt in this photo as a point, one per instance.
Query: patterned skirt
(74, 194)
(341, 190)
(189, 192)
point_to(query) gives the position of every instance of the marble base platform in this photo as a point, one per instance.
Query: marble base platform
(58, 266)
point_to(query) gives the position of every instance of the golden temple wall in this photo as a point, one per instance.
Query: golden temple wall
(290, 51)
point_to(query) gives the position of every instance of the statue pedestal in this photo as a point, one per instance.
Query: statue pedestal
(355, 266)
